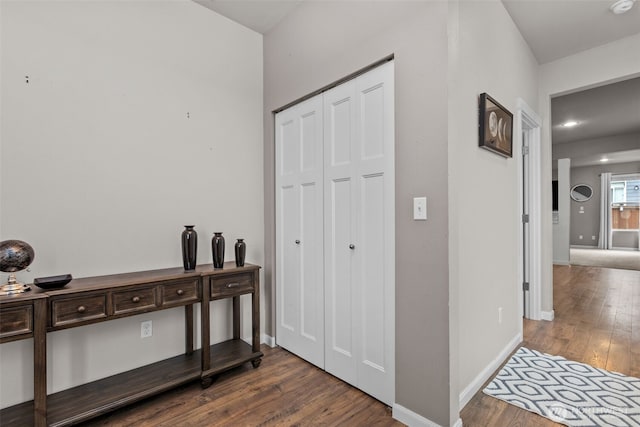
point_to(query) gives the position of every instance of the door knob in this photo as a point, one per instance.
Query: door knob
(352, 246)
(297, 242)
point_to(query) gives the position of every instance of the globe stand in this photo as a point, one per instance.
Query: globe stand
(13, 287)
(15, 255)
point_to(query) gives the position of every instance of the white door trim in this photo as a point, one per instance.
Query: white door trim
(527, 121)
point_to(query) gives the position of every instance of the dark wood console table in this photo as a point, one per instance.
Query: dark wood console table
(99, 299)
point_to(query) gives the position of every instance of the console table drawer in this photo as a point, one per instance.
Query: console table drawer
(16, 321)
(222, 287)
(65, 311)
(179, 293)
(139, 299)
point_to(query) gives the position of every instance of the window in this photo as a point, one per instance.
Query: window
(618, 193)
(625, 202)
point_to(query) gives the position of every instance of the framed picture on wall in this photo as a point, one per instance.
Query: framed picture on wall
(496, 126)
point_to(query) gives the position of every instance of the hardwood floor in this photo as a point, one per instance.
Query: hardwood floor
(597, 321)
(284, 390)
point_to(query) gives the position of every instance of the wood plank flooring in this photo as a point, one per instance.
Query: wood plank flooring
(284, 391)
(597, 321)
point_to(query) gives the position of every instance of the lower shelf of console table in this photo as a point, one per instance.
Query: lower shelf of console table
(90, 400)
(228, 355)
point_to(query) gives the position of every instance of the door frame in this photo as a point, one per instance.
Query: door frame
(528, 121)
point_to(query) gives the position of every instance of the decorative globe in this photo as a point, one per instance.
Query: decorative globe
(15, 255)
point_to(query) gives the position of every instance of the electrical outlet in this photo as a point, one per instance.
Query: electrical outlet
(499, 314)
(593, 237)
(146, 329)
(580, 237)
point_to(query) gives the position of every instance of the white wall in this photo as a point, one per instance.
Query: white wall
(562, 227)
(490, 56)
(604, 64)
(138, 118)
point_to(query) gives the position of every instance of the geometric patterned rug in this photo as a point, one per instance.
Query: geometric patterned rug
(570, 393)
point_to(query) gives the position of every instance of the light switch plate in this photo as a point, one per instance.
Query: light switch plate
(420, 208)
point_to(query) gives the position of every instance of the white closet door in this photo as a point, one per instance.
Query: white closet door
(341, 196)
(299, 236)
(359, 233)
(376, 233)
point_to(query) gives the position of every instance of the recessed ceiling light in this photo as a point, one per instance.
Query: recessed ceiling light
(570, 124)
(621, 6)
(604, 160)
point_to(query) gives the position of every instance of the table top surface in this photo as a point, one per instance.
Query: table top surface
(127, 279)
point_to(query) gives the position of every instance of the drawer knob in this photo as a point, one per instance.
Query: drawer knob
(297, 242)
(135, 299)
(232, 285)
(180, 292)
(81, 309)
(352, 246)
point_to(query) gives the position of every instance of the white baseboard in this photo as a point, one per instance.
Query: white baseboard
(584, 247)
(561, 262)
(548, 315)
(470, 390)
(411, 419)
(268, 340)
(624, 249)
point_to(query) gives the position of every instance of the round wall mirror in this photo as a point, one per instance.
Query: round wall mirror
(581, 192)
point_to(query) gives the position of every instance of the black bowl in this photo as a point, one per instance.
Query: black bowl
(52, 282)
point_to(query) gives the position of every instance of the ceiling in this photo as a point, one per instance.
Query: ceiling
(613, 109)
(553, 29)
(258, 15)
(558, 28)
(604, 111)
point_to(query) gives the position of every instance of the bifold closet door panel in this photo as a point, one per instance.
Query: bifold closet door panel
(299, 237)
(342, 323)
(359, 233)
(376, 234)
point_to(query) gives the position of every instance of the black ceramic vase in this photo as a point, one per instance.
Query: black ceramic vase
(217, 247)
(241, 250)
(189, 247)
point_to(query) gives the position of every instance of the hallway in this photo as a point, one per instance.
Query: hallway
(597, 321)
